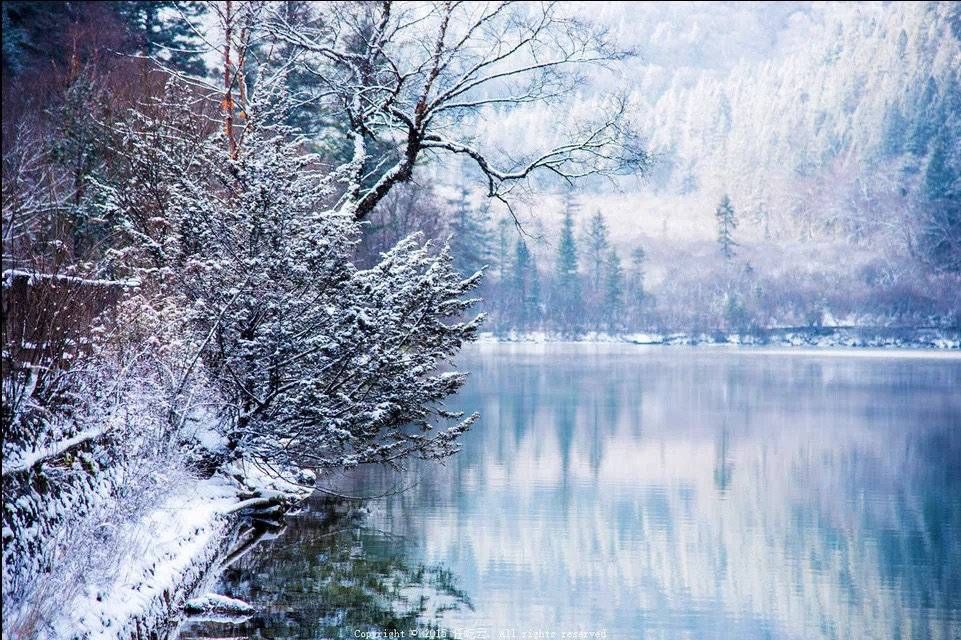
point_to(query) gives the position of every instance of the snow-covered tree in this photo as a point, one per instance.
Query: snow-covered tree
(726, 224)
(596, 246)
(635, 284)
(566, 303)
(470, 236)
(940, 234)
(525, 289)
(413, 78)
(319, 364)
(164, 30)
(613, 291)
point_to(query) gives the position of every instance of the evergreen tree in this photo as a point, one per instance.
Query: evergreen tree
(941, 228)
(597, 246)
(567, 295)
(81, 151)
(613, 291)
(572, 205)
(160, 29)
(636, 295)
(895, 127)
(726, 224)
(526, 289)
(503, 247)
(470, 240)
(33, 33)
(939, 179)
(927, 120)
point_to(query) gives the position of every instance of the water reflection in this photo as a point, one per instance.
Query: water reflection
(327, 575)
(672, 493)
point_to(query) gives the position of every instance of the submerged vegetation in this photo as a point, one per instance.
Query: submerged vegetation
(330, 576)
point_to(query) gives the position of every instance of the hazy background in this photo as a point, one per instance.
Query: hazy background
(833, 127)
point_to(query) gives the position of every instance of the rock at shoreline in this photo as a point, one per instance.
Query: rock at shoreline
(213, 606)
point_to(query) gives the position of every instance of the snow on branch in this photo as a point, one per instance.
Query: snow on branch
(33, 278)
(31, 459)
(413, 77)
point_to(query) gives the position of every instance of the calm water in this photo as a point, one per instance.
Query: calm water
(638, 492)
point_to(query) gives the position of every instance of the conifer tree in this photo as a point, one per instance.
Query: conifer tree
(635, 298)
(726, 224)
(526, 288)
(613, 291)
(941, 225)
(470, 237)
(567, 294)
(162, 29)
(596, 249)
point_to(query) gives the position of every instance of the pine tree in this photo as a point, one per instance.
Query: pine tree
(81, 149)
(161, 31)
(927, 120)
(636, 295)
(526, 289)
(939, 179)
(33, 33)
(726, 224)
(572, 204)
(941, 227)
(597, 245)
(613, 291)
(895, 128)
(504, 227)
(470, 237)
(567, 296)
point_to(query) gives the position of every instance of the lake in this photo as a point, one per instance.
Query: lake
(619, 491)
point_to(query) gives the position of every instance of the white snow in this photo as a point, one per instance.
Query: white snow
(30, 459)
(177, 538)
(217, 607)
(33, 277)
(845, 339)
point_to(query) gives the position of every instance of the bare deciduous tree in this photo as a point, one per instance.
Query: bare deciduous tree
(412, 76)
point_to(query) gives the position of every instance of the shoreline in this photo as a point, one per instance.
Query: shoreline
(194, 534)
(789, 338)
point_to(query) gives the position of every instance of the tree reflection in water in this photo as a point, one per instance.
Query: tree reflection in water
(328, 576)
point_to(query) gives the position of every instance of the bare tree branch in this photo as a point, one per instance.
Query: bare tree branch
(421, 89)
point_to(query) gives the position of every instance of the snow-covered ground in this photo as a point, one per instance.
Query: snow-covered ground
(174, 549)
(174, 546)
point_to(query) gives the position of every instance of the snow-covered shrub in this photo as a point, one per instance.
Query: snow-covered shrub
(89, 444)
(319, 364)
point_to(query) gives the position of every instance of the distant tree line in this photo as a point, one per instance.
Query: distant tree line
(575, 280)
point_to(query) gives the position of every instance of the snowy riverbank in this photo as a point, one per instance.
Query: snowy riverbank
(175, 550)
(834, 337)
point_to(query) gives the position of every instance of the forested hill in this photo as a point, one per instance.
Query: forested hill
(834, 130)
(820, 137)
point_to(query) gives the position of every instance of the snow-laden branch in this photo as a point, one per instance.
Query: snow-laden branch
(414, 90)
(31, 459)
(33, 278)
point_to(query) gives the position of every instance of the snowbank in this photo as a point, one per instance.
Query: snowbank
(180, 544)
(181, 539)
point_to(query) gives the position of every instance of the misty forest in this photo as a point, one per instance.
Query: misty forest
(293, 292)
